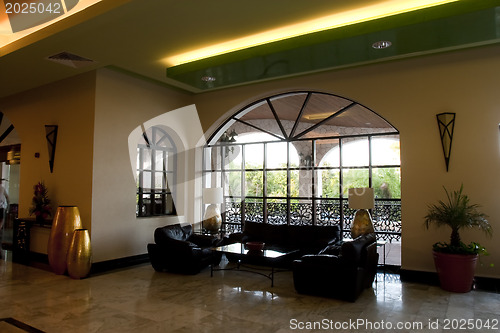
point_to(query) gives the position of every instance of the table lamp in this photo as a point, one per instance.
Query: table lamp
(212, 219)
(361, 199)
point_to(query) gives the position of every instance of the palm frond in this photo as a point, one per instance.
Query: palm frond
(457, 213)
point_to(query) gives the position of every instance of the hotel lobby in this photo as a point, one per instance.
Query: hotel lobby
(313, 79)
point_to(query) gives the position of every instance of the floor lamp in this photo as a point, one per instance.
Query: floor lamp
(212, 220)
(361, 199)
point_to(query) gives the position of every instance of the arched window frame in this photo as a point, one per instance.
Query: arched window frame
(156, 173)
(295, 210)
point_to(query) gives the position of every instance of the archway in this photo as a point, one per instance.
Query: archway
(306, 187)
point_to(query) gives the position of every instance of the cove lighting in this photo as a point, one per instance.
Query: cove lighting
(8, 36)
(381, 9)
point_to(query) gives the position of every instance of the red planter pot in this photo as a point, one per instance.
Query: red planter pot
(455, 271)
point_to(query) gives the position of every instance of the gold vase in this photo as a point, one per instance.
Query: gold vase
(79, 254)
(66, 221)
(362, 224)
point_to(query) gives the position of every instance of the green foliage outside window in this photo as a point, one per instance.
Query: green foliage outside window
(385, 181)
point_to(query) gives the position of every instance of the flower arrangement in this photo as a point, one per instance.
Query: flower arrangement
(41, 208)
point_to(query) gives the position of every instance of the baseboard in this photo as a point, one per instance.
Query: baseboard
(407, 275)
(40, 260)
(109, 265)
(431, 278)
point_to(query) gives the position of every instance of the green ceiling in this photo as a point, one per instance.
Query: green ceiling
(457, 25)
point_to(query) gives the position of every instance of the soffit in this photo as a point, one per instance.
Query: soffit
(135, 36)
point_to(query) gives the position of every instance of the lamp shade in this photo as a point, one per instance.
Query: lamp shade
(361, 198)
(213, 195)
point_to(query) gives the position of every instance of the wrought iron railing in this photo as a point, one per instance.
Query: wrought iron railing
(386, 215)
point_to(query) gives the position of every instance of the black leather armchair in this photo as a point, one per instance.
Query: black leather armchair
(338, 271)
(178, 250)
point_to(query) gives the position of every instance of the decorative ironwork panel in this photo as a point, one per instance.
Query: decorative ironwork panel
(254, 211)
(276, 213)
(387, 219)
(328, 212)
(386, 216)
(231, 228)
(348, 218)
(233, 212)
(301, 213)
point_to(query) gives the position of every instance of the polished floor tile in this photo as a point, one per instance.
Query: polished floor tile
(138, 299)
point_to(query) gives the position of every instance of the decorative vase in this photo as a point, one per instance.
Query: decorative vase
(455, 271)
(79, 254)
(213, 220)
(362, 223)
(66, 221)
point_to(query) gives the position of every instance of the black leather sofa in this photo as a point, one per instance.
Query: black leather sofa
(298, 240)
(178, 250)
(341, 272)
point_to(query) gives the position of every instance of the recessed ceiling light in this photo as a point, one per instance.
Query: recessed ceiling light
(208, 78)
(383, 44)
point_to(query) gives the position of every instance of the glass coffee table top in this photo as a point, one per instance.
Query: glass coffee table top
(239, 248)
(237, 252)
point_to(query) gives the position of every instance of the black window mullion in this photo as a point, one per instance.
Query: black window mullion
(141, 182)
(303, 107)
(277, 118)
(313, 181)
(341, 189)
(164, 183)
(264, 185)
(370, 161)
(288, 189)
(243, 184)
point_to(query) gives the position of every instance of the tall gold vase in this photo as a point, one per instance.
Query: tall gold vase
(66, 221)
(79, 254)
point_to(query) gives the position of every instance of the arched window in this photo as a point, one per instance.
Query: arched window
(291, 158)
(156, 161)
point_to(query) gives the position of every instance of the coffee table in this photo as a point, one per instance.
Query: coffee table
(237, 253)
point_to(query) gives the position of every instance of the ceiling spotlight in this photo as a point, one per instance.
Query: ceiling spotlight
(208, 78)
(383, 44)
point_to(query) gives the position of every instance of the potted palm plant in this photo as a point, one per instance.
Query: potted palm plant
(456, 261)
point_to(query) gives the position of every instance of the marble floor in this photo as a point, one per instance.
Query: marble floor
(138, 299)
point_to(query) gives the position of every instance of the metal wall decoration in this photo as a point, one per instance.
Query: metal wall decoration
(446, 123)
(51, 136)
(7, 131)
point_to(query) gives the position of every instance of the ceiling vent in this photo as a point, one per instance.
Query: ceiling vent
(71, 60)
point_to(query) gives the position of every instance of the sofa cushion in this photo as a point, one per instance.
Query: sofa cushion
(327, 233)
(188, 230)
(163, 234)
(267, 233)
(254, 230)
(352, 251)
(333, 249)
(321, 259)
(203, 240)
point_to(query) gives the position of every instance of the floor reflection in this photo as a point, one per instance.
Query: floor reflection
(139, 299)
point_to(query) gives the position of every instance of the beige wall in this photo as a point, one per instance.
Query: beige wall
(409, 94)
(70, 105)
(122, 104)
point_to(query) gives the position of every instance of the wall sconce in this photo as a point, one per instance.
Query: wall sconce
(51, 136)
(446, 124)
